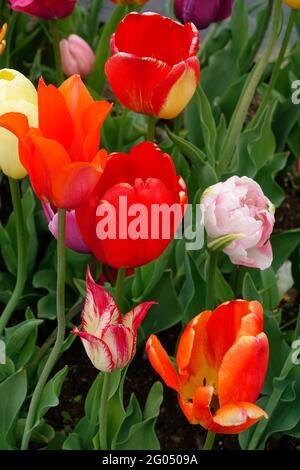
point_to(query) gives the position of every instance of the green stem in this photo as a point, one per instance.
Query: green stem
(55, 41)
(209, 441)
(61, 326)
(97, 78)
(276, 70)
(240, 114)
(151, 128)
(21, 244)
(211, 277)
(104, 410)
(10, 35)
(119, 287)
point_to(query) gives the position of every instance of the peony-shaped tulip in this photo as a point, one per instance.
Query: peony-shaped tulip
(77, 57)
(154, 67)
(238, 207)
(46, 9)
(202, 12)
(222, 359)
(108, 337)
(17, 94)
(136, 208)
(73, 238)
(62, 154)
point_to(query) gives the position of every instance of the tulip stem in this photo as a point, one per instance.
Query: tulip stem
(21, 242)
(119, 287)
(276, 70)
(61, 326)
(211, 277)
(104, 410)
(239, 116)
(55, 41)
(151, 128)
(209, 441)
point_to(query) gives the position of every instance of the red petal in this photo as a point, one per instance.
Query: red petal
(134, 318)
(237, 417)
(97, 351)
(121, 343)
(160, 361)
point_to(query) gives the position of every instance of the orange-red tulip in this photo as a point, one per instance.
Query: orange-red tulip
(221, 361)
(62, 155)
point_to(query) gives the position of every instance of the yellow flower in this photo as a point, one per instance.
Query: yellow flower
(2, 36)
(293, 3)
(17, 94)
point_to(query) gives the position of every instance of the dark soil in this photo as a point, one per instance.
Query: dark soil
(287, 216)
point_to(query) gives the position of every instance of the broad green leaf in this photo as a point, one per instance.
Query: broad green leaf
(283, 245)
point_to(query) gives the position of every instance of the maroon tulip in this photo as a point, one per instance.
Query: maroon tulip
(46, 9)
(202, 12)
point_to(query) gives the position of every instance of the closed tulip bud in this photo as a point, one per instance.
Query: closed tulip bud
(109, 338)
(2, 38)
(221, 361)
(202, 12)
(77, 57)
(293, 3)
(154, 67)
(46, 9)
(17, 94)
(238, 208)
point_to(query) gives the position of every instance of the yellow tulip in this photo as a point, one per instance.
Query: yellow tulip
(17, 94)
(293, 3)
(2, 36)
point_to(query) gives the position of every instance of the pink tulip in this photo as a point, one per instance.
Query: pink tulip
(239, 207)
(46, 9)
(74, 240)
(77, 57)
(108, 338)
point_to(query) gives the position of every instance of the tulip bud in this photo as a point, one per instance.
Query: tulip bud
(46, 9)
(77, 57)
(17, 94)
(202, 12)
(108, 338)
(2, 36)
(293, 3)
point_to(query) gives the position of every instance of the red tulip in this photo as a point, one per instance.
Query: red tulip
(221, 360)
(47, 9)
(147, 177)
(109, 338)
(62, 155)
(154, 68)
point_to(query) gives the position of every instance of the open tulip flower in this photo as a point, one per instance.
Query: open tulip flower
(154, 68)
(109, 338)
(46, 9)
(62, 155)
(145, 176)
(221, 361)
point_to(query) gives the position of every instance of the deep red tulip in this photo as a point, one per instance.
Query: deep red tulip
(154, 68)
(147, 177)
(222, 360)
(47, 9)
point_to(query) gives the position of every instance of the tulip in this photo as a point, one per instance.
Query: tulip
(108, 338)
(238, 207)
(154, 68)
(77, 57)
(73, 238)
(62, 155)
(221, 362)
(46, 9)
(202, 12)
(293, 3)
(2, 38)
(17, 95)
(145, 177)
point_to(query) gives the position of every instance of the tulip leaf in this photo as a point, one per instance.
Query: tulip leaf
(249, 289)
(283, 245)
(208, 124)
(21, 341)
(239, 23)
(270, 293)
(266, 178)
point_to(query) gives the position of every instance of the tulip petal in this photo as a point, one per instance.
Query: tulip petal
(161, 362)
(234, 418)
(17, 123)
(201, 406)
(242, 372)
(134, 318)
(121, 343)
(97, 351)
(53, 124)
(92, 120)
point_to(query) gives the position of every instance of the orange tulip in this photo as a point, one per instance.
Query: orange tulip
(221, 360)
(62, 155)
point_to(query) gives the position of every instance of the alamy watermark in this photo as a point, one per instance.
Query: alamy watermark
(296, 93)
(2, 352)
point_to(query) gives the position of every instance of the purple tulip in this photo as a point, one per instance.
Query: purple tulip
(202, 12)
(74, 240)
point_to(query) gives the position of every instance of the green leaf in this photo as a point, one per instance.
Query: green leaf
(46, 279)
(208, 124)
(284, 244)
(270, 291)
(249, 289)
(266, 178)
(239, 27)
(12, 396)
(21, 341)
